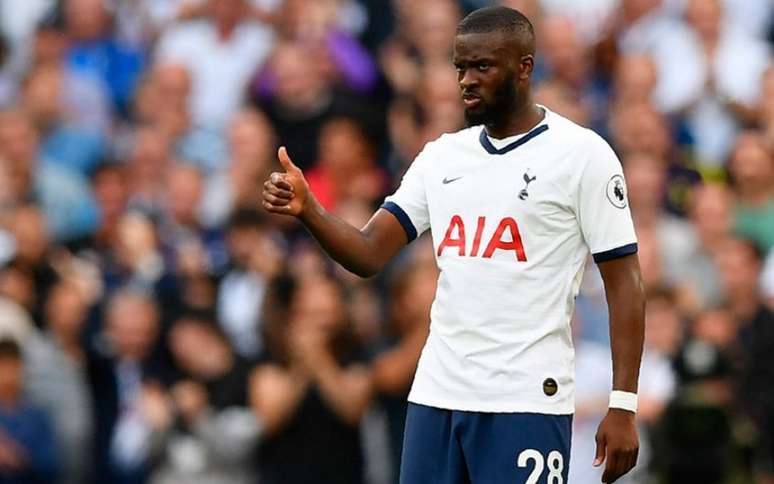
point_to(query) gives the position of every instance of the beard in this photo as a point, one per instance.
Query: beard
(495, 112)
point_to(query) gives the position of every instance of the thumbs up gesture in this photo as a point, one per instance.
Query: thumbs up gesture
(286, 193)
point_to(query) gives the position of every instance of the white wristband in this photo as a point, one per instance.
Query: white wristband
(623, 400)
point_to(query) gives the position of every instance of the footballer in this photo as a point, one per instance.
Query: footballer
(515, 204)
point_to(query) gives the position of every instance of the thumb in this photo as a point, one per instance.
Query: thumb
(285, 161)
(601, 450)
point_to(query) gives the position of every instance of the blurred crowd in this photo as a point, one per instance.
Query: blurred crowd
(157, 326)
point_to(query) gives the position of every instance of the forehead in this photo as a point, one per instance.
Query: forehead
(495, 44)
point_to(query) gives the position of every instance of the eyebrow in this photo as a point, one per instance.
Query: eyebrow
(473, 59)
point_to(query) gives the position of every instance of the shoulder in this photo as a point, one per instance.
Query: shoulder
(190, 28)
(449, 142)
(466, 136)
(183, 37)
(583, 144)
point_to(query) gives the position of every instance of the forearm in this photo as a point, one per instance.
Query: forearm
(393, 371)
(275, 395)
(363, 252)
(354, 249)
(626, 302)
(347, 391)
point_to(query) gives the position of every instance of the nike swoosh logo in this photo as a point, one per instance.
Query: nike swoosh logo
(446, 181)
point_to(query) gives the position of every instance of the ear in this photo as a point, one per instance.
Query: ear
(526, 66)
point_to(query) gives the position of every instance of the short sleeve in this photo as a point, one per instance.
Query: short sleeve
(603, 206)
(409, 202)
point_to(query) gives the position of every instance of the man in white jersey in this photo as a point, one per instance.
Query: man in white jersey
(515, 207)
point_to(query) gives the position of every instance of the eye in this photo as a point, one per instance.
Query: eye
(459, 68)
(483, 67)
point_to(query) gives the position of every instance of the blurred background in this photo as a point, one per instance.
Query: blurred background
(157, 326)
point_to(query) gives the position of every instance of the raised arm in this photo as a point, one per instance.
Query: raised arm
(362, 251)
(617, 435)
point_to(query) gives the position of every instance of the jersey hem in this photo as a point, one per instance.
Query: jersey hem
(494, 407)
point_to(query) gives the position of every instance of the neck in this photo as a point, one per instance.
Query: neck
(520, 121)
(745, 304)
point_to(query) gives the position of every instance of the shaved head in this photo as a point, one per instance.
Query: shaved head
(512, 23)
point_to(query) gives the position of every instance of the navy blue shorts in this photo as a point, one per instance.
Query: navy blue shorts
(456, 447)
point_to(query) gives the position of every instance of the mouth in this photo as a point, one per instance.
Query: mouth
(471, 100)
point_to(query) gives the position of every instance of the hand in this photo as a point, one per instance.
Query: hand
(617, 439)
(286, 193)
(308, 348)
(13, 457)
(190, 399)
(136, 240)
(155, 407)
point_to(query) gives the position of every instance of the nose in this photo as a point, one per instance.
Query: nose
(467, 79)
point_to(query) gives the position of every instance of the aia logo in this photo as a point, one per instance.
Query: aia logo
(455, 238)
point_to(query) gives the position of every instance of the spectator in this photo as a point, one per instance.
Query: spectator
(63, 195)
(657, 384)
(148, 162)
(182, 206)
(214, 434)
(740, 265)
(251, 142)
(110, 187)
(712, 222)
(567, 62)
(56, 378)
(346, 170)
(392, 371)
(84, 101)
(433, 110)
(136, 259)
(28, 448)
(752, 169)
(304, 98)
(323, 22)
(96, 52)
(311, 392)
(221, 51)
(255, 260)
(75, 145)
(726, 100)
(130, 408)
(32, 258)
(424, 37)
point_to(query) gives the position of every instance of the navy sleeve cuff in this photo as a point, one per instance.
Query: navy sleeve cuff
(403, 219)
(616, 253)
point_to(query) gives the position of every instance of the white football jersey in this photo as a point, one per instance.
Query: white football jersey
(513, 222)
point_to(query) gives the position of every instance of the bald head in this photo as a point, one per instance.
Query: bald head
(512, 23)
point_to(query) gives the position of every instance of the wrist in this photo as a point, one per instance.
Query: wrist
(621, 400)
(311, 210)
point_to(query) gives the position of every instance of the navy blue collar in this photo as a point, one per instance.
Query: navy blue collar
(490, 148)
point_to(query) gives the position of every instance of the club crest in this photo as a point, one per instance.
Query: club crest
(524, 194)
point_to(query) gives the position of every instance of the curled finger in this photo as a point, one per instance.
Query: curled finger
(279, 180)
(281, 209)
(274, 200)
(279, 192)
